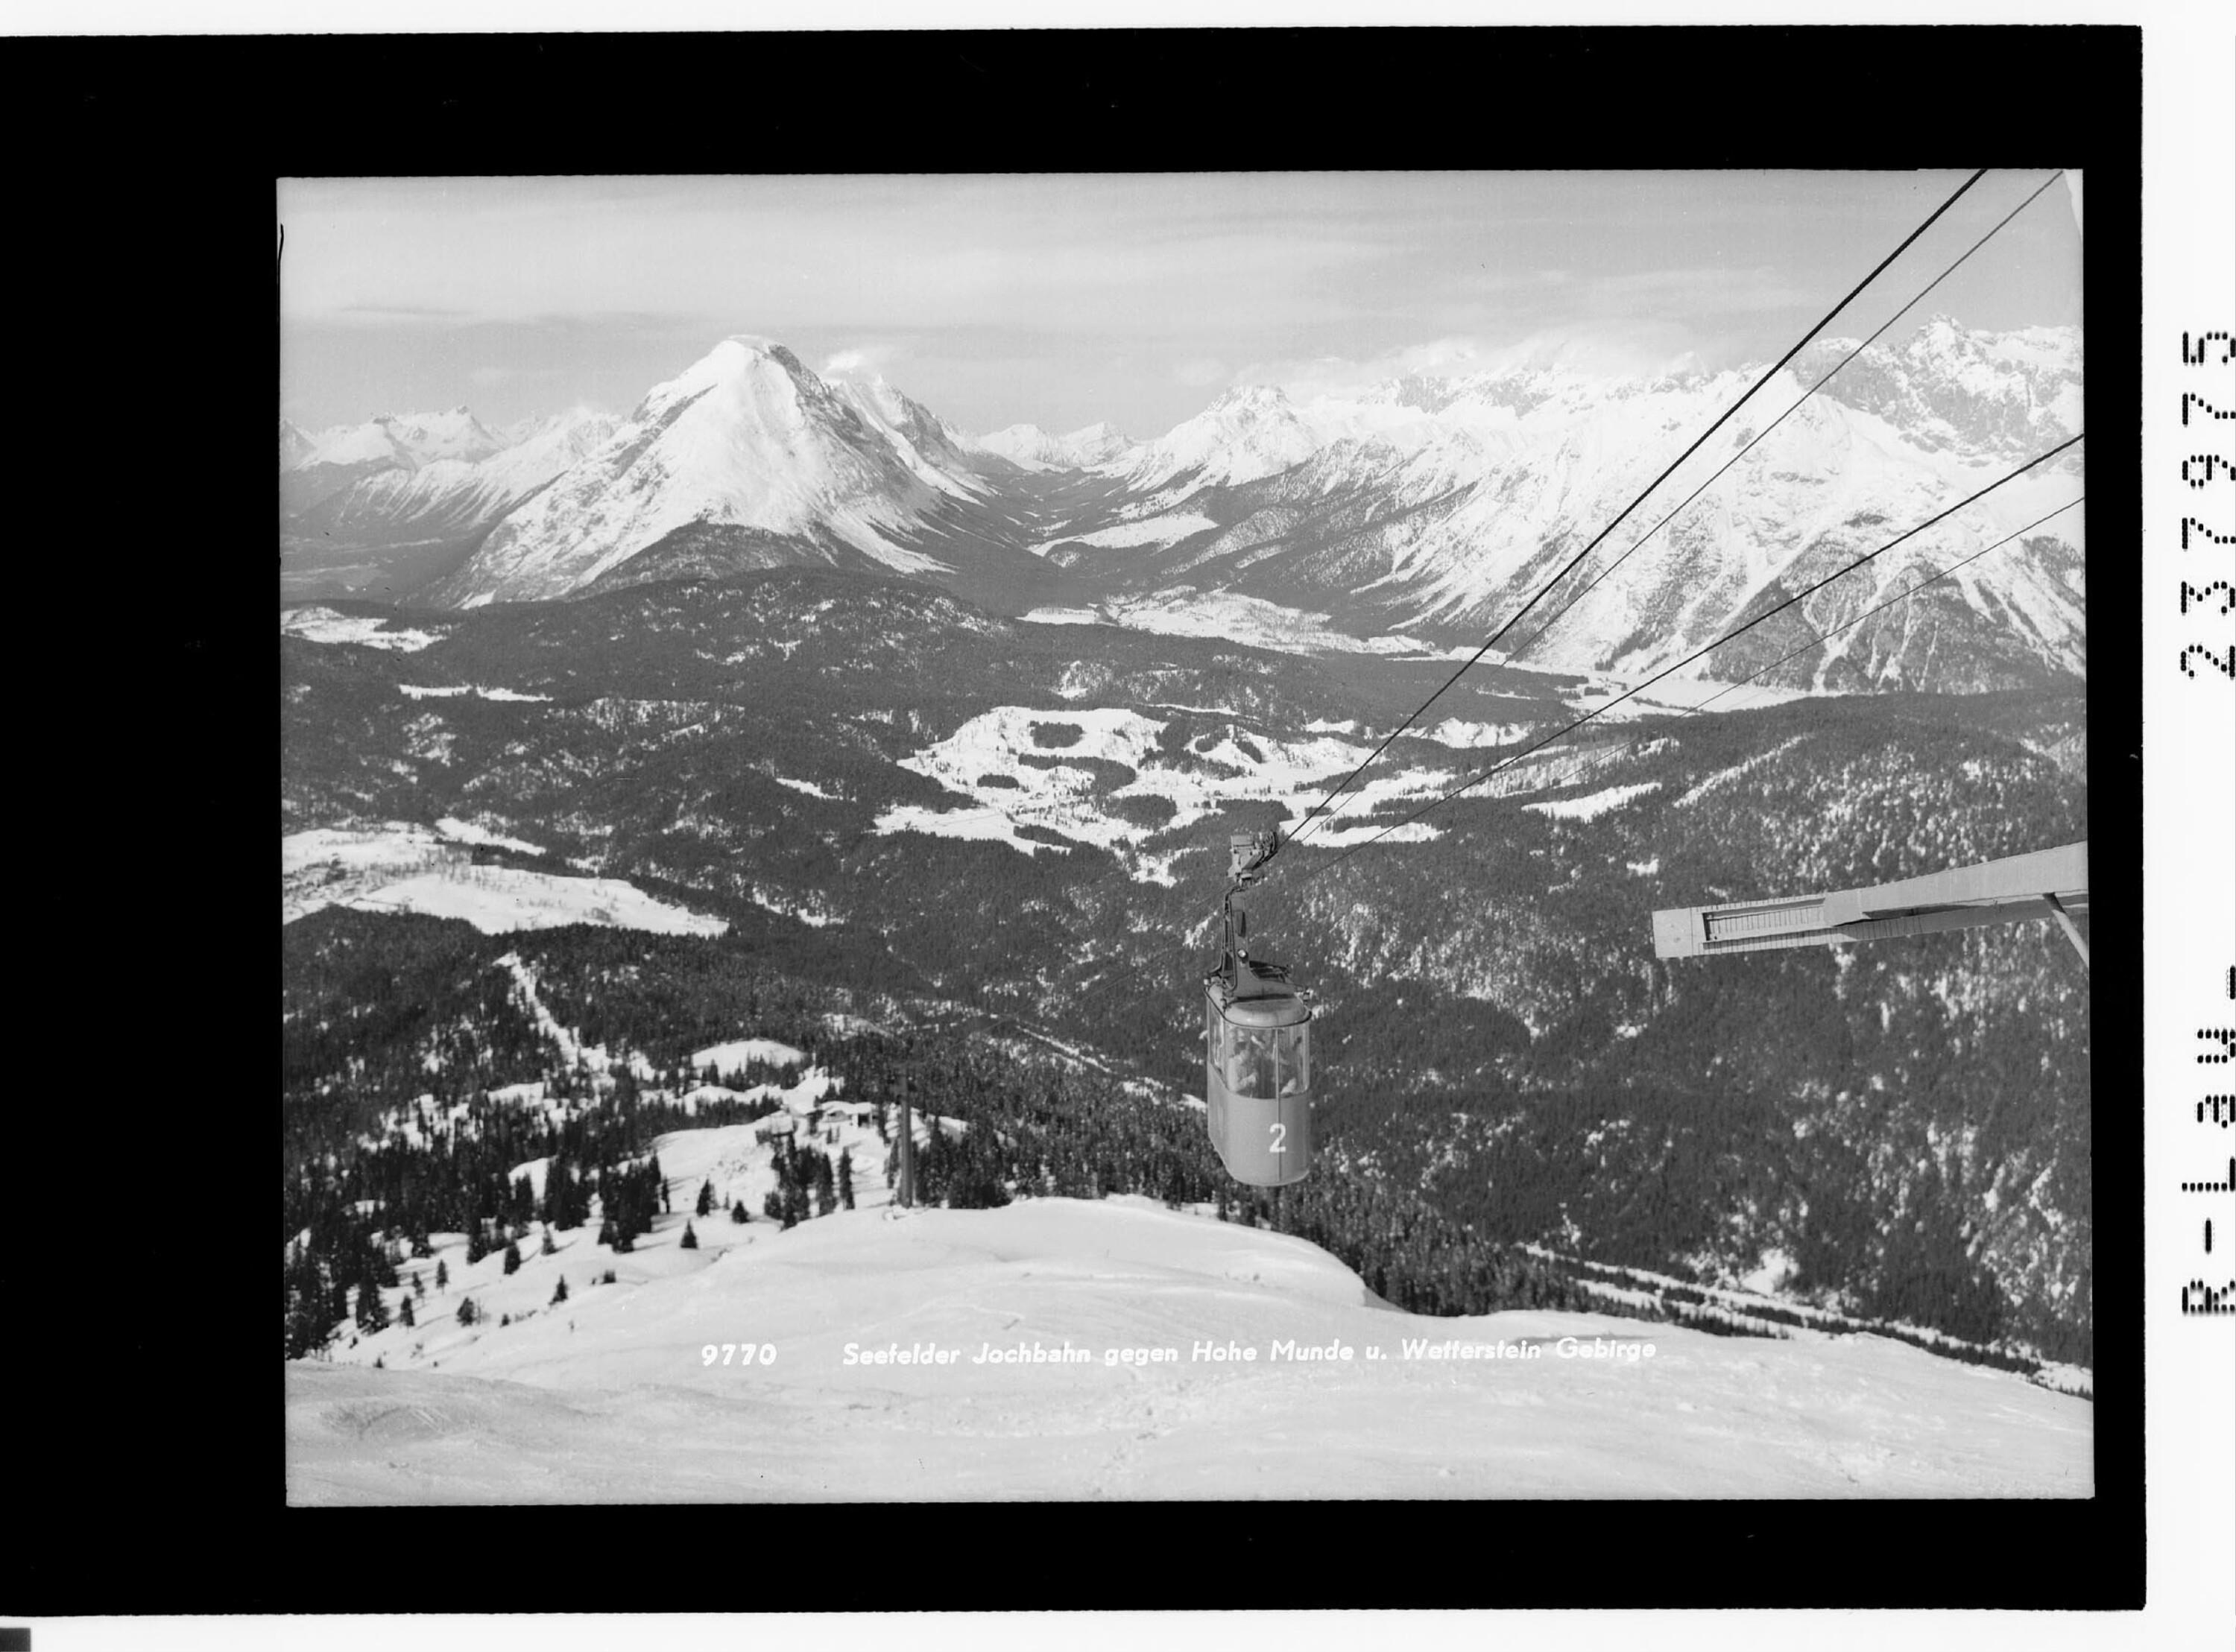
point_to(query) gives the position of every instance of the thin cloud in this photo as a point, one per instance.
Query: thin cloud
(1609, 349)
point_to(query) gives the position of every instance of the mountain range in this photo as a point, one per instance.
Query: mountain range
(1421, 508)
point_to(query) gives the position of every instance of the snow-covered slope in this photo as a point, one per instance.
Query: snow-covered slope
(745, 439)
(1036, 449)
(456, 497)
(402, 867)
(1061, 1348)
(1244, 435)
(296, 444)
(2012, 393)
(408, 440)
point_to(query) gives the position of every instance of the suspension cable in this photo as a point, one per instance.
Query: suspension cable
(1850, 624)
(1320, 808)
(1767, 614)
(1535, 637)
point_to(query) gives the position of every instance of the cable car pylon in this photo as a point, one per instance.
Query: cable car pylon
(1257, 1039)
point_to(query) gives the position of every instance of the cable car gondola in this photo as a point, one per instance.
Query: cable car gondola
(1257, 1059)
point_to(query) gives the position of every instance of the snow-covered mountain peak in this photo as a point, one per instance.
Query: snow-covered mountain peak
(1953, 387)
(1247, 402)
(742, 365)
(747, 448)
(1247, 432)
(1027, 445)
(405, 441)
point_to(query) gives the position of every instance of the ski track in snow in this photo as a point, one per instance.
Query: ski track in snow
(608, 1398)
(1724, 776)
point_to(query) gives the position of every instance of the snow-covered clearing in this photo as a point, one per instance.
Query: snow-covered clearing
(404, 867)
(613, 1397)
(319, 624)
(1186, 612)
(1597, 803)
(1154, 530)
(991, 825)
(807, 786)
(1456, 732)
(497, 899)
(814, 917)
(1047, 789)
(451, 691)
(733, 1056)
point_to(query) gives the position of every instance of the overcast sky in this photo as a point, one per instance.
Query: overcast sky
(1061, 300)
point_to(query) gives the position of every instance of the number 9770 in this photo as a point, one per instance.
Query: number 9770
(738, 1353)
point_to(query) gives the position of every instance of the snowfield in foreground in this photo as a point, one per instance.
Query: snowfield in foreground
(608, 1397)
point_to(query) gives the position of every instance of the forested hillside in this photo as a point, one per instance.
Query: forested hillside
(981, 834)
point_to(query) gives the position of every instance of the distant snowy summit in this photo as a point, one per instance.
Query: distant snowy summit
(1085, 448)
(423, 475)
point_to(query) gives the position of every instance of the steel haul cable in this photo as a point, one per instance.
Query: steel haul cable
(1881, 607)
(1536, 636)
(1320, 808)
(1768, 614)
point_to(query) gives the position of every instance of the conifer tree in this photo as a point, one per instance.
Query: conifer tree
(512, 1259)
(738, 1212)
(405, 1316)
(468, 1314)
(442, 1275)
(705, 1199)
(560, 1295)
(371, 1313)
(548, 1247)
(846, 1177)
(690, 1239)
